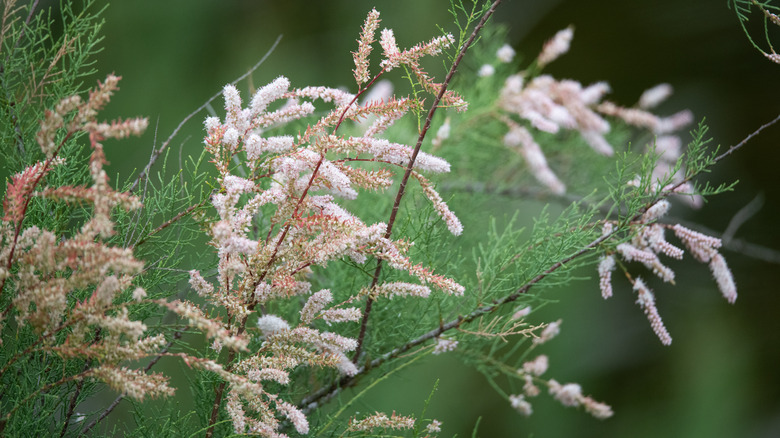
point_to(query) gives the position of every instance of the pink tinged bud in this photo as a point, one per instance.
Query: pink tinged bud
(434, 427)
(453, 223)
(774, 57)
(486, 70)
(139, 294)
(606, 266)
(593, 94)
(268, 94)
(646, 301)
(201, 286)
(538, 366)
(597, 142)
(275, 375)
(522, 312)
(295, 416)
(443, 133)
(212, 123)
(351, 314)
(700, 245)
(557, 46)
(314, 305)
(380, 420)
(724, 278)
(521, 405)
(235, 185)
(668, 147)
(529, 388)
(390, 47)
(272, 324)
(345, 366)
(444, 345)
(231, 137)
(652, 97)
(654, 235)
(552, 330)
(597, 409)
(364, 46)
(674, 122)
(631, 253)
(656, 211)
(569, 394)
(505, 54)
(403, 289)
(232, 99)
(518, 136)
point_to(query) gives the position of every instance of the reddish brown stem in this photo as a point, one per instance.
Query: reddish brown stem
(410, 166)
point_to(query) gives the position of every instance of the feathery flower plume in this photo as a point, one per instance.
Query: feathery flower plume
(272, 325)
(381, 420)
(569, 394)
(646, 301)
(538, 366)
(529, 388)
(522, 312)
(552, 330)
(521, 405)
(654, 96)
(133, 383)
(556, 46)
(606, 266)
(724, 278)
(314, 305)
(433, 427)
(486, 71)
(442, 134)
(367, 35)
(518, 137)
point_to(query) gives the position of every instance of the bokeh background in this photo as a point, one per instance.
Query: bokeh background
(720, 377)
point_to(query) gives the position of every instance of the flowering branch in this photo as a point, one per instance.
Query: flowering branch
(408, 172)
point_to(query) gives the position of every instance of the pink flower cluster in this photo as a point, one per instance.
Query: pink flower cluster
(551, 105)
(296, 184)
(647, 241)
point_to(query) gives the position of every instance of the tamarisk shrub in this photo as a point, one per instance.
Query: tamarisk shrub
(329, 256)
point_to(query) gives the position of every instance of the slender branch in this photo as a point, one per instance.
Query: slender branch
(742, 216)
(73, 402)
(746, 139)
(410, 166)
(172, 220)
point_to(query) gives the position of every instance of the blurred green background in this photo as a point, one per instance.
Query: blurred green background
(720, 377)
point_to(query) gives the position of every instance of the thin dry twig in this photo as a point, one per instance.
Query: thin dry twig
(157, 152)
